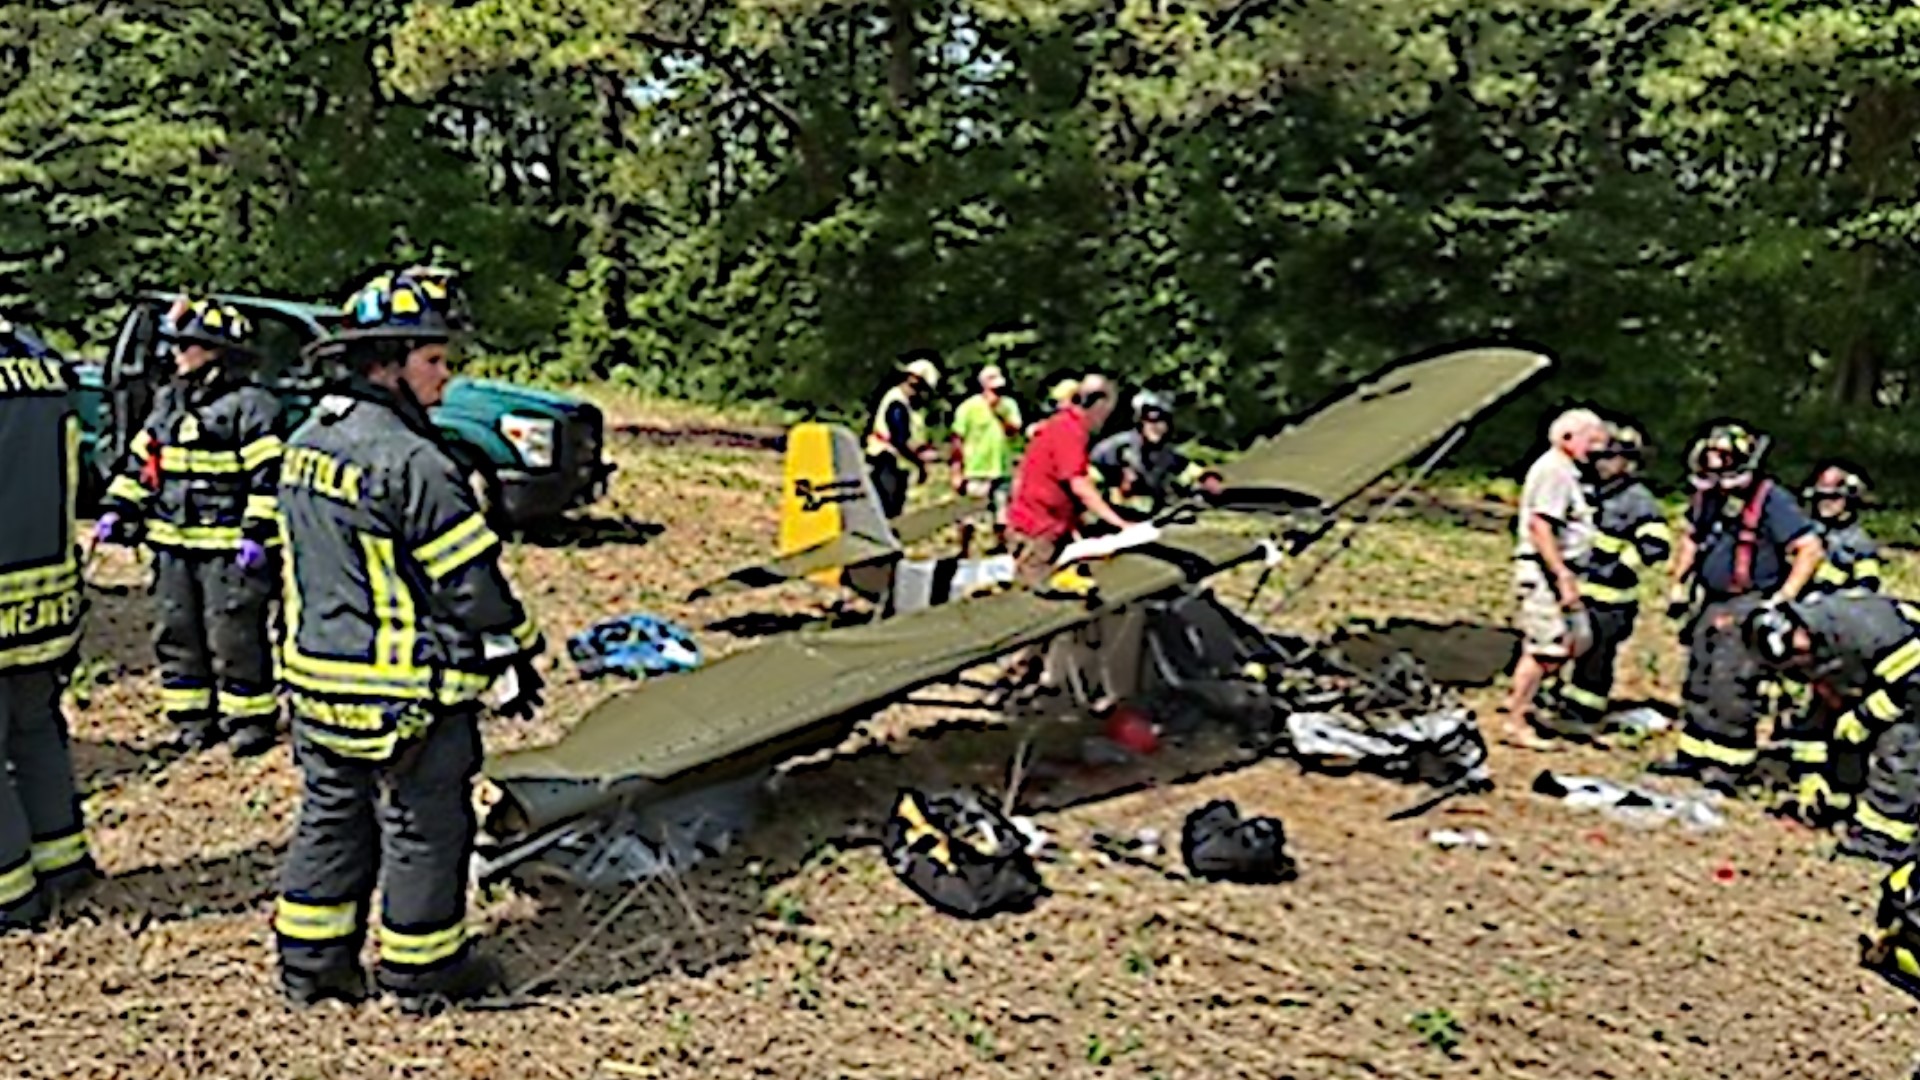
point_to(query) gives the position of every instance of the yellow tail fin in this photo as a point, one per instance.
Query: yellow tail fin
(825, 494)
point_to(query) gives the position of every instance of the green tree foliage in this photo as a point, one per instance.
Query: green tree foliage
(1701, 209)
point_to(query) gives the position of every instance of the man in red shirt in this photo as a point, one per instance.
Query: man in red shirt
(1053, 484)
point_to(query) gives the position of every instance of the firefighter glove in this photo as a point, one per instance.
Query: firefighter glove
(251, 556)
(518, 692)
(1813, 793)
(113, 529)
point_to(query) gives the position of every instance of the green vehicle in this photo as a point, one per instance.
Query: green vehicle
(533, 454)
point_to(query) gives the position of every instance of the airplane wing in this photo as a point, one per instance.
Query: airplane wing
(846, 550)
(806, 689)
(1339, 449)
(915, 525)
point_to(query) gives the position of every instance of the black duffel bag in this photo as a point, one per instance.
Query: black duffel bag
(960, 855)
(1219, 845)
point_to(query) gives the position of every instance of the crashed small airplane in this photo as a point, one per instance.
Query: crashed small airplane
(834, 532)
(638, 762)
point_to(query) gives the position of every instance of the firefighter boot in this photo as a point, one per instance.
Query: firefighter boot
(306, 989)
(194, 734)
(71, 884)
(252, 736)
(1881, 955)
(28, 914)
(473, 979)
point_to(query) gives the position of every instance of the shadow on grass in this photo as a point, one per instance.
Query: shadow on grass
(716, 437)
(758, 624)
(1458, 654)
(200, 888)
(117, 638)
(590, 531)
(596, 942)
(98, 765)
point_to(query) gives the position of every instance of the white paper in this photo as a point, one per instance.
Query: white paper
(1100, 547)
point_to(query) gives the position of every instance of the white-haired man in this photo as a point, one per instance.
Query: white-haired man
(1555, 530)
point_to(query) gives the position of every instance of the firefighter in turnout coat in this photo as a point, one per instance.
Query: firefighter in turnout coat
(399, 619)
(1746, 543)
(1633, 536)
(1852, 557)
(1861, 654)
(198, 486)
(43, 847)
(1851, 565)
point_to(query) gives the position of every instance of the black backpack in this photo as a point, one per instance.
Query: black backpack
(960, 855)
(1220, 846)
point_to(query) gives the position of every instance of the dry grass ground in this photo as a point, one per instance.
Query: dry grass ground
(1574, 947)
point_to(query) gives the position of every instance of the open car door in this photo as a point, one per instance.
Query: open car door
(135, 370)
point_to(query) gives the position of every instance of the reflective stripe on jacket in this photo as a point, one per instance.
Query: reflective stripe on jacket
(1872, 644)
(201, 471)
(880, 440)
(1852, 562)
(40, 599)
(393, 576)
(1633, 536)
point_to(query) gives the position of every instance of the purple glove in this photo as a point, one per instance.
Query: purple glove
(252, 555)
(106, 528)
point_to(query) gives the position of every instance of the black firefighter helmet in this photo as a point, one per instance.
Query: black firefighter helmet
(416, 306)
(1836, 482)
(209, 323)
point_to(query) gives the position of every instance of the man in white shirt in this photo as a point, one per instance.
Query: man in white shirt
(1555, 530)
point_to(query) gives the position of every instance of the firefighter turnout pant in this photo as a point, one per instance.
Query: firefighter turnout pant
(1823, 776)
(1886, 812)
(1723, 690)
(212, 640)
(41, 838)
(1587, 683)
(409, 823)
(1894, 951)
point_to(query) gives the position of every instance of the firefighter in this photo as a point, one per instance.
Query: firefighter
(1861, 654)
(43, 845)
(1851, 564)
(398, 620)
(1633, 536)
(1893, 950)
(1852, 558)
(199, 488)
(1746, 543)
(1140, 469)
(897, 446)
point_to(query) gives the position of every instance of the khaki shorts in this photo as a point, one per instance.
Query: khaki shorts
(998, 494)
(1542, 622)
(1032, 558)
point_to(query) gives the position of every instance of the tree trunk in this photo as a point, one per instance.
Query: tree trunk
(900, 53)
(1879, 132)
(1856, 380)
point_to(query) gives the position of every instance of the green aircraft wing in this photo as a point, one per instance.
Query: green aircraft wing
(807, 689)
(847, 550)
(1338, 449)
(768, 702)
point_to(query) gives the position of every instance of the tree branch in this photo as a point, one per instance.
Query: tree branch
(789, 119)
